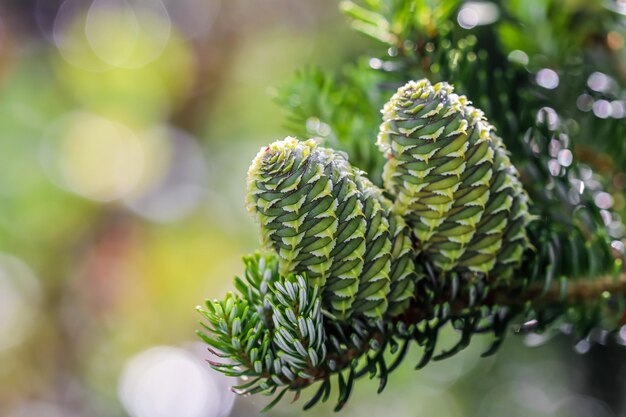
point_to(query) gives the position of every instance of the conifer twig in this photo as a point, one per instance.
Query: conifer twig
(578, 291)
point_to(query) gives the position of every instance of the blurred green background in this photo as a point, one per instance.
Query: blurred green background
(126, 128)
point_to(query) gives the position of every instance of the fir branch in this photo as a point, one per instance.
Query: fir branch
(577, 292)
(349, 350)
(345, 239)
(325, 222)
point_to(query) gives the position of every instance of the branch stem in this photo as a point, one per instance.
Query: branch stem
(577, 291)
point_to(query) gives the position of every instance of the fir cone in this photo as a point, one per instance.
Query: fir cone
(324, 218)
(403, 271)
(453, 181)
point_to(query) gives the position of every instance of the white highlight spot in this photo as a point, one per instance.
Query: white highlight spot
(602, 109)
(603, 200)
(548, 116)
(565, 157)
(477, 13)
(547, 78)
(618, 109)
(467, 18)
(169, 381)
(554, 167)
(599, 82)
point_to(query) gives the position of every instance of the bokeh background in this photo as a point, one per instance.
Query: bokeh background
(126, 128)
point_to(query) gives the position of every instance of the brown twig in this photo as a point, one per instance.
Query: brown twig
(577, 291)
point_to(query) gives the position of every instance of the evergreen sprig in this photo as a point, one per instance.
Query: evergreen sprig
(346, 243)
(362, 266)
(271, 332)
(293, 360)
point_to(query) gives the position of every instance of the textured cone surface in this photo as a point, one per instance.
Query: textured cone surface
(374, 282)
(402, 271)
(319, 215)
(514, 238)
(453, 181)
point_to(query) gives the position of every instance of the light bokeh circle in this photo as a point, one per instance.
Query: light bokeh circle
(20, 299)
(169, 381)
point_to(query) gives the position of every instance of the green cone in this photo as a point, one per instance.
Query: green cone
(402, 272)
(325, 219)
(453, 181)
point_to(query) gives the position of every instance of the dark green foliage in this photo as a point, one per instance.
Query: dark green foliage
(548, 132)
(271, 332)
(293, 344)
(343, 111)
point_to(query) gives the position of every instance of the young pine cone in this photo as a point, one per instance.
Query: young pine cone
(324, 218)
(453, 181)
